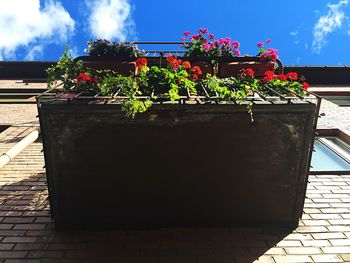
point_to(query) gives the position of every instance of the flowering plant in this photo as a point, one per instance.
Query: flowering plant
(267, 54)
(86, 82)
(203, 44)
(64, 72)
(284, 83)
(177, 79)
(106, 48)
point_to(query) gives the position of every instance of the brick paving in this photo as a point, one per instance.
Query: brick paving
(27, 233)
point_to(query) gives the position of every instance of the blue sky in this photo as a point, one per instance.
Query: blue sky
(305, 32)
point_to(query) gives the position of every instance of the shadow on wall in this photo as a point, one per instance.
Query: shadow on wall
(28, 225)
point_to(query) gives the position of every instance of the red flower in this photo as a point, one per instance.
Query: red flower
(305, 85)
(269, 73)
(141, 62)
(83, 78)
(174, 63)
(249, 72)
(169, 58)
(186, 64)
(281, 77)
(267, 79)
(195, 77)
(292, 76)
(197, 70)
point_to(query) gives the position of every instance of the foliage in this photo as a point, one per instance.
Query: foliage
(64, 72)
(134, 106)
(176, 80)
(106, 48)
(127, 86)
(112, 82)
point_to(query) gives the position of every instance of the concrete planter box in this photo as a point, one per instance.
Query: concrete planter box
(177, 165)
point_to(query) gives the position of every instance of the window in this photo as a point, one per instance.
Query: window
(331, 155)
(343, 101)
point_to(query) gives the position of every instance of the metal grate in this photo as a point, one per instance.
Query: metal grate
(57, 95)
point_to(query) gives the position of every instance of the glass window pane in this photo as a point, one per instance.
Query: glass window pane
(324, 159)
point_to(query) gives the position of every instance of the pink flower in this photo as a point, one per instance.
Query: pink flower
(235, 44)
(268, 41)
(203, 31)
(226, 41)
(273, 50)
(186, 33)
(260, 44)
(195, 37)
(272, 54)
(206, 47)
(237, 52)
(220, 41)
(264, 55)
(273, 57)
(211, 36)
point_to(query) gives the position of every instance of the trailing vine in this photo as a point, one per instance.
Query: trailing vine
(177, 80)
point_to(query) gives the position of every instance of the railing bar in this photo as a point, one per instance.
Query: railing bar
(293, 92)
(20, 94)
(260, 95)
(77, 95)
(205, 91)
(116, 94)
(277, 93)
(46, 92)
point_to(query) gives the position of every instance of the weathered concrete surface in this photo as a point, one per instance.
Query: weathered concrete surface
(177, 165)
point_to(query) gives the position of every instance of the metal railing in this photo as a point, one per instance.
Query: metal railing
(161, 53)
(273, 97)
(60, 95)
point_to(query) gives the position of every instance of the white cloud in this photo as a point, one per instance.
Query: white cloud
(73, 51)
(23, 23)
(327, 24)
(110, 19)
(294, 33)
(34, 52)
